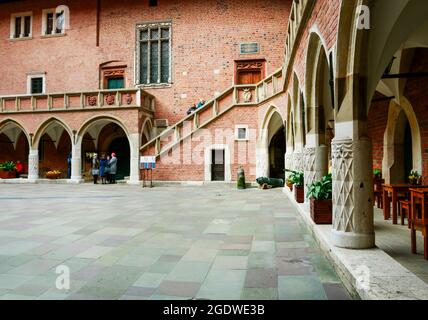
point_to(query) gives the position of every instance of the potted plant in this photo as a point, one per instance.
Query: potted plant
(320, 195)
(414, 177)
(289, 181)
(53, 174)
(290, 184)
(299, 191)
(377, 173)
(7, 170)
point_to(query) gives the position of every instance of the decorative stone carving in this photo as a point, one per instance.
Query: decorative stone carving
(129, 98)
(289, 161)
(343, 193)
(309, 158)
(298, 161)
(92, 101)
(110, 99)
(247, 95)
(33, 164)
(245, 65)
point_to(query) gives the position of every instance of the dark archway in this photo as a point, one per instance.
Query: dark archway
(277, 149)
(120, 146)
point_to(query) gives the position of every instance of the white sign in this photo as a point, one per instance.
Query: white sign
(148, 162)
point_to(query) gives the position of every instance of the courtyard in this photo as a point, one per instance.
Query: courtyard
(125, 242)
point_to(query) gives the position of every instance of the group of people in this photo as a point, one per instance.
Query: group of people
(195, 106)
(105, 168)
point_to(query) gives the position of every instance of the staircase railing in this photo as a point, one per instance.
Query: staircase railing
(234, 96)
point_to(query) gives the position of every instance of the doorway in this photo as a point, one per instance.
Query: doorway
(120, 146)
(217, 165)
(115, 83)
(249, 71)
(277, 155)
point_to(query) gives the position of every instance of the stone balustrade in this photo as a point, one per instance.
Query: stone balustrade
(76, 101)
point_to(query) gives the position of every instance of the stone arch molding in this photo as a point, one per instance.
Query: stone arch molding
(395, 110)
(55, 133)
(9, 122)
(262, 149)
(315, 51)
(147, 130)
(99, 119)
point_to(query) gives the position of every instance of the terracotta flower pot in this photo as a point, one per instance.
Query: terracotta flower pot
(299, 194)
(322, 211)
(52, 175)
(7, 174)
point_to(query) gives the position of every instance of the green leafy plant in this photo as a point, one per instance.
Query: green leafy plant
(321, 190)
(297, 178)
(377, 172)
(8, 166)
(414, 175)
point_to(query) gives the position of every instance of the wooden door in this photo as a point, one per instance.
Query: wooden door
(217, 166)
(249, 76)
(249, 71)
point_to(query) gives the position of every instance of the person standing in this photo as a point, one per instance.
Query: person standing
(113, 168)
(69, 166)
(19, 168)
(103, 167)
(95, 168)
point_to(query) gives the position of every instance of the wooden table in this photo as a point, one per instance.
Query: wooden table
(419, 196)
(395, 189)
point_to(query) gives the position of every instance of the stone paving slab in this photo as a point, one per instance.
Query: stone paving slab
(166, 243)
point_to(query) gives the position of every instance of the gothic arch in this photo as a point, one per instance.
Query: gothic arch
(41, 130)
(9, 121)
(389, 157)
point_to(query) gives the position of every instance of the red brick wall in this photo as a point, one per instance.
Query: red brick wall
(206, 37)
(377, 122)
(190, 167)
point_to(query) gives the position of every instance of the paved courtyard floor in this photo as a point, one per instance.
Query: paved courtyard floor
(125, 242)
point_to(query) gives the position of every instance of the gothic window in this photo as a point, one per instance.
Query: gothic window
(154, 53)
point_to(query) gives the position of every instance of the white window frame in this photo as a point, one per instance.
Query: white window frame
(247, 132)
(36, 75)
(21, 15)
(45, 13)
(139, 28)
(208, 162)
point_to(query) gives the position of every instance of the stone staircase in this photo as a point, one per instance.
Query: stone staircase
(234, 97)
(237, 95)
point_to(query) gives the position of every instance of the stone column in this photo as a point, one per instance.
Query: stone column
(262, 155)
(134, 140)
(76, 163)
(289, 164)
(353, 225)
(298, 160)
(315, 164)
(33, 165)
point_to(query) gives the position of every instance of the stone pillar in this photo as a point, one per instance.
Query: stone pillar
(33, 165)
(76, 163)
(353, 225)
(289, 164)
(315, 164)
(298, 160)
(134, 141)
(262, 160)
